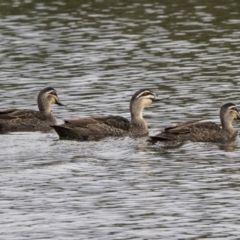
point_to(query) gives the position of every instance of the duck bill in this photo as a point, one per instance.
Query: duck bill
(164, 97)
(156, 100)
(59, 103)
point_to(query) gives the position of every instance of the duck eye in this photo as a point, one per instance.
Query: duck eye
(53, 93)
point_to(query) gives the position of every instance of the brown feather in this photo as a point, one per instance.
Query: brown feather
(97, 127)
(192, 131)
(30, 120)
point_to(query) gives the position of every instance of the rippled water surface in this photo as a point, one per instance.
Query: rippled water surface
(96, 54)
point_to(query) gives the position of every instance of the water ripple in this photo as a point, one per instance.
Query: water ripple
(96, 55)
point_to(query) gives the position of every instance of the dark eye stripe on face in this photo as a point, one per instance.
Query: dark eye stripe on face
(234, 109)
(146, 93)
(53, 93)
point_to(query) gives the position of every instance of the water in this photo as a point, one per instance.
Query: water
(97, 54)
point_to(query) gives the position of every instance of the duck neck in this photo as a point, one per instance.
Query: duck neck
(227, 126)
(44, 107)
(137, 120)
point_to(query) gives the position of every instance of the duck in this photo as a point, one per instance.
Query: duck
(31, 120)
(198, 131)
(99, 127)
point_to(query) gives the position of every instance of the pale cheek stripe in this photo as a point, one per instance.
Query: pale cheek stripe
(140, 94)
(237, 113)
(52, 93)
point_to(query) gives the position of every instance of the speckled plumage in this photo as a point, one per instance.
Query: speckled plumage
(197, 131)
(98, 127)
(31, 120)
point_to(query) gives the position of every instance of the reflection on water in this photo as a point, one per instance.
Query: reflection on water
(97, 54)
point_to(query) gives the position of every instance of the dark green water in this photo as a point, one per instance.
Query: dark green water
(97, 54)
